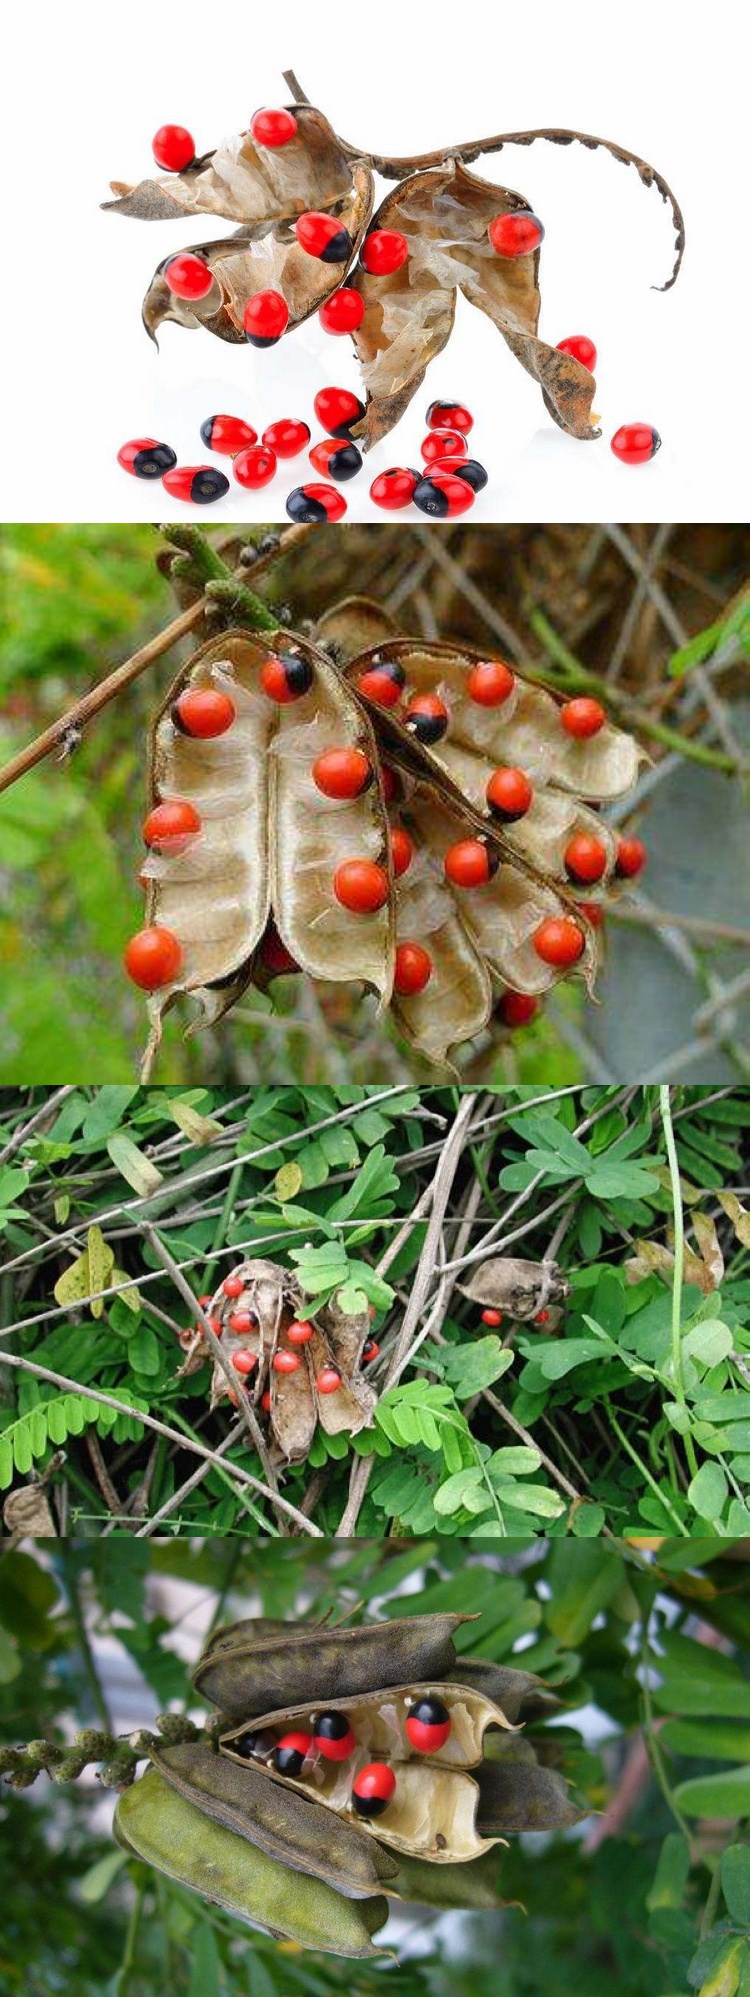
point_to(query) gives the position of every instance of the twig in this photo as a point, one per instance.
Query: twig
(51, 1103)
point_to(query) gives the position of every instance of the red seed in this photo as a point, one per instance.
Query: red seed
(542, 1317)
(328, 1380)
(337, 410)
(286, 678)
(630, 858)
(173, 148)
(413, 969)
(443, 444)
(255, 467)
(242, 1322)
(383, 251)
(299, 1333)
(492, 1317)
(265, 318)
(449, 416)
(233, 1286)
(509, 794)
(518, 1008)
(373, 1789)
(370, 1351)
(469, 864)
(582, 717)
(428, 1726)
(635, 443)
(287, 437)
(382, 681)
(203, 712)
(585, 857)
(188, 277)
(490, 683)
(171, 826)
(443, 494)
(265, 1402)
(342, 773)
(336, 459)
(516, 235)
(389, 783)
(426, 717)
(278, 961)
(146, 457)
(244, 1362)
(273, 128)
(559, 941)
(285, 1362)
(315, 503)
(394, 488)
(581, 348)
(198, 485)
(343, 312)
(361, 886)
(323, 236)
(593, 912)
(228, 434)
(153, 958)
(402, 850)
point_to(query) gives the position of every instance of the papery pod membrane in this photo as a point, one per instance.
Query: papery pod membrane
(248, 1667)
(270, 841)
(519, 1288)
(444, 214)
(275, 1299)
(159, 1826)
(264, 189)
(288, 1826)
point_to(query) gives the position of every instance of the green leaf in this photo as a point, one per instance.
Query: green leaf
(708, 1490)
(466, 1490)
(735, 1882)
(583, 1579)
(106, 1112)
(561, 1356)
(710, 1342)
(287, 1182)
(708, 1740)
(144, 1177)
(672, 1873)
(716, 1795)
(620, 1182)
(471, 1367)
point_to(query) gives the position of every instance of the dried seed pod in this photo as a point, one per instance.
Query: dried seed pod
(265, 191)
(254, 1320)
(521, 1289)
(194, 1815)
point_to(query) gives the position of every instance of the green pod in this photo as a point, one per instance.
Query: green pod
(290, 1828)
(475, 1887)
(245, 1670)
(156, 1824)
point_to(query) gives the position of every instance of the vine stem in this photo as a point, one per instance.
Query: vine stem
(70, 724)
(665, 1107)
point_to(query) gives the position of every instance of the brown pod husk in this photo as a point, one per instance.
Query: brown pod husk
(264, 190)
(246, 1669)
(274, 1298)
(444, 214)
(520, 1289)
(518, 1794)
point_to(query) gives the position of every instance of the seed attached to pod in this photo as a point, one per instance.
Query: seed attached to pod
(291, 1753)
(630, 858)
(581, 348)
(244, 1362)
(361, 886)
(298, 1332)
(273, 128)
(593, 912)
(324, 237)
(336, 459)
(516, 235)
(542, 1317)
(582, 717)
(173, 147)
(286, 676)
(402, 850)
(370, 1351)
(383, 681)
(343, 312)
(285, 1362)
(200, 484)
(153, 958)
(275, 957)
(635, 443)
(394, 488)
(559, 941)
(145, 457)
(334, 1737)
(585, 857)
(228, 434)
(470, 864)
(490, 683)
(315, 502)
(233, 1286)
(188, 277)
(342, 773)
(469, 469)
(255, 467)
(328, 1380)
(287, 437)
(428, 1725)
(449, 416)
(444, 444)
(412, 969)
(443, 495)
(383, 251)
(373, 1789)
(170, 827)
(509, 794)
(337, 409)
(253, 1746)
(426, 717)
(242, 1322)
(203, 712)
(265, 318)
(265, 1401)
(493, 1318)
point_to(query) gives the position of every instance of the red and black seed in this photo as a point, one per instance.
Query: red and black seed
(145, 457)
(317, 502)
(200, 484)
(469, 470)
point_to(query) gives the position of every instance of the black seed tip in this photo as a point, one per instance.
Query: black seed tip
(207, 486)
(471, 472)
(655, 443)
(430, 498)
(255, 339)
(207, 430)
(332, 1726)
(339, 249)
(345, 463)
(154, 462)
(300, 507)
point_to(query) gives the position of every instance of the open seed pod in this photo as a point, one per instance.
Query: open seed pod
(264, 190)
(220, 1815)
(271, 841)
(519, 1289)
(269, 1301)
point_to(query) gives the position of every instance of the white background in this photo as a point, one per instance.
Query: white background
(90, 85)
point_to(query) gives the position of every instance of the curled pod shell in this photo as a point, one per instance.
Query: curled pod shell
(270, 842)
(444, 214)
(157, 1824)
(249, 1666)
(516, 1793)
(518, 1288)
(264, 190)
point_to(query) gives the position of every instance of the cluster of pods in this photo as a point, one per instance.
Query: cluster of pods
(331, 1737)
(242, 1322)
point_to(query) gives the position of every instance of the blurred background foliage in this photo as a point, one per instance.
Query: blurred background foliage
(649, 1652)
(76, 600)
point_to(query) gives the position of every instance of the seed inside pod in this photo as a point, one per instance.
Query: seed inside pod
(328, 1380)
(382, 681)
(490, 683)
(426, 717)
(285, 1362)
(373, 1789)
(299, 1333)
(334, 1737)
(290, 1754)
(242, 1322)
(428, 1725)
(286, 676)
(233, 1286)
